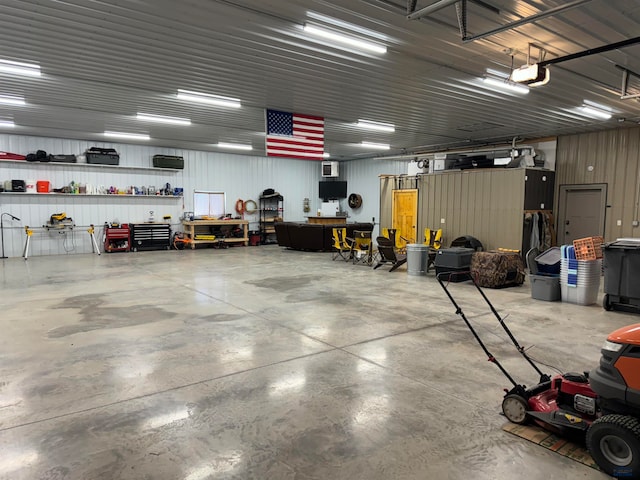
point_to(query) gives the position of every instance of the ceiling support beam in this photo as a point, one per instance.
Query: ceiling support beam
(434, 7)
(411, 6)
(624, 91)
(524, 21)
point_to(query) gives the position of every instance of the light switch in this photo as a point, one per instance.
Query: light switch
(619, 223)
(442, 220)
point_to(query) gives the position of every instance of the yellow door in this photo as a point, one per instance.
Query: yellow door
(404, 216)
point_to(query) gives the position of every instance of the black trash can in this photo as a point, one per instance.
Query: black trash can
(622, 275)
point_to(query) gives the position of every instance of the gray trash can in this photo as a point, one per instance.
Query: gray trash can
(417, 258)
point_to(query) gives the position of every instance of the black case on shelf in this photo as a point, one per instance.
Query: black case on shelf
(168, 161)
(63, 158)
(102, 156)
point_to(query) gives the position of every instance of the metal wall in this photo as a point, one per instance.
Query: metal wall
(487, 204)
(239, 176)
(611, 157)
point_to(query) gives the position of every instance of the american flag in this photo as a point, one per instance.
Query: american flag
(294, 135)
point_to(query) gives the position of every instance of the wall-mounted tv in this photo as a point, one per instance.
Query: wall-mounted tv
(332, 190)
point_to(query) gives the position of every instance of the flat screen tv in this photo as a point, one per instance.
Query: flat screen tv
(331, 190)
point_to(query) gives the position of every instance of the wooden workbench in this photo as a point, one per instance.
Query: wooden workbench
(195, 227)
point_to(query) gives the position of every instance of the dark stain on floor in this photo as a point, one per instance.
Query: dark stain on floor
(100, 318)
(282, 284)
(221, 317)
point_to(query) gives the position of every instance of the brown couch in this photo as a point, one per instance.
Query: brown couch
(309, 236)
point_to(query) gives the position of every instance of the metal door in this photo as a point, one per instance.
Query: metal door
(581, 212)
(405, 215)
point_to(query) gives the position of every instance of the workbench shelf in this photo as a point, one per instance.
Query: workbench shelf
(194, 228)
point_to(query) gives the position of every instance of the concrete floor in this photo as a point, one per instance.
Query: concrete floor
(265, 363)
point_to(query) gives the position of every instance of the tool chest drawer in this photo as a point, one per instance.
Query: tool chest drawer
(149, 236)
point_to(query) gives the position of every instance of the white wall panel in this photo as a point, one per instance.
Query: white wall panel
(362, 178)
(239, 176)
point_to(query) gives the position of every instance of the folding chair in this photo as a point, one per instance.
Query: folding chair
(362, 247)
(433, 239)
(388, 254)
(341, 247)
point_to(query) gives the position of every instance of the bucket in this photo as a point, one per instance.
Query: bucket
(30, 186)
(254, 238)
(417, 256)
(42, 186)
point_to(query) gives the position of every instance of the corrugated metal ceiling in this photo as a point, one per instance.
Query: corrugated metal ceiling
(103, 61)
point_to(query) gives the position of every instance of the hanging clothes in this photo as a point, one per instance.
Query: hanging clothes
(535, 231)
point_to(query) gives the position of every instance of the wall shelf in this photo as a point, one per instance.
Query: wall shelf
(84, 195)
(87, 165)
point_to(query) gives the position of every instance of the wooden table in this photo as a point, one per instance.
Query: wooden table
(194, 227)
(327, 220)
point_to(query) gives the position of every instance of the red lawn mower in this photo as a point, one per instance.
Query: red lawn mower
(602, 405)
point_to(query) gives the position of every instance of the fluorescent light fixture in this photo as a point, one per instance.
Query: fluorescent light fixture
(207, 98)
(497, 73)
(381, 127)
(159, 118)
(532, 75)
(326, 155)
(505, 85)
(20, 68)
(344, 40)
(594, 112)
(7, 124)
(234, 146)
(8, 100)
(378, 146)
(128, 136)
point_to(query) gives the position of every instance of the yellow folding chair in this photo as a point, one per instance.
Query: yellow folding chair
(341, 247)
(433, 238)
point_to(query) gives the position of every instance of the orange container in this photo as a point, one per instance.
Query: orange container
(589, 248)
(42, 186)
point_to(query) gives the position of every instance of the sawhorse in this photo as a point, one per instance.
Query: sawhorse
(29, 232)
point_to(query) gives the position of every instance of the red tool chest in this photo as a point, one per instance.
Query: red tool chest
(117, 239)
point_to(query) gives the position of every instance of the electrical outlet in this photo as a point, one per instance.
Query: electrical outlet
(619, 223)
(635, 223)
(442, 220)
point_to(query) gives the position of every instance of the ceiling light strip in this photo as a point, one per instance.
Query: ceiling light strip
(9, 100)
(511, 87)
(148, 117)
(594, 112)
(381, 127)
(378, 146)
(128, 136)
(234, 146)
(218, 100)
(344, 40)
(20, 68)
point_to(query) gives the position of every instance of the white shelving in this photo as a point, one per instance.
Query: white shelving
(85, 165)
(84, 195)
